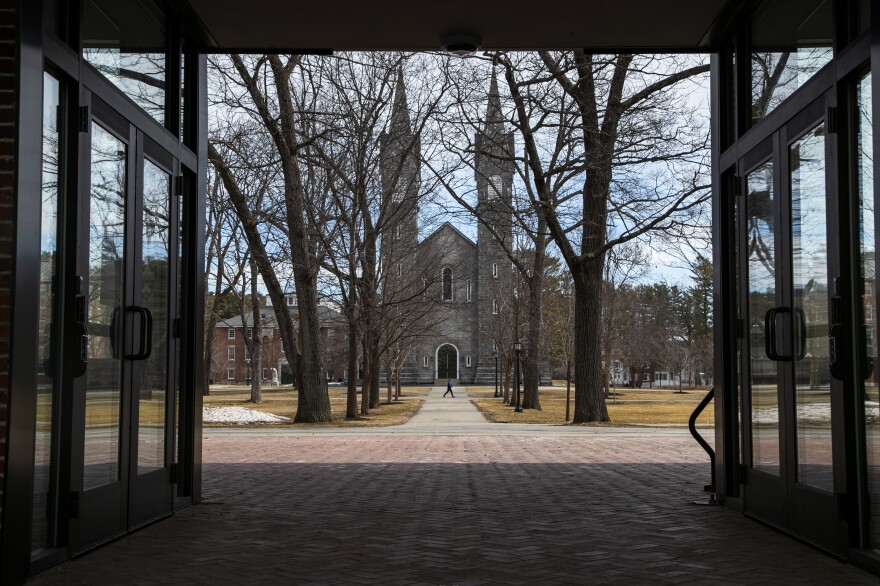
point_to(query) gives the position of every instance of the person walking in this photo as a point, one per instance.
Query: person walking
(449, 388)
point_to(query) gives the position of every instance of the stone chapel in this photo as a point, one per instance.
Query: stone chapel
(469, 284)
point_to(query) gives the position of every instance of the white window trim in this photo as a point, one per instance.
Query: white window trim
(230, 335)
(495, 307)
(397, 233)
(495, 270)
(443, 285)
(467, 361)
(230, 374)
(250, 333)
(291, 301)
(426, 362)
(247, 354)
(230, 352)
(468, 289)
(494, 187)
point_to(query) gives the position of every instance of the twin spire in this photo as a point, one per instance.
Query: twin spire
(402, 126)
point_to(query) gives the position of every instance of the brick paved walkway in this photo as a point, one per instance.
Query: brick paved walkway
(603, 506)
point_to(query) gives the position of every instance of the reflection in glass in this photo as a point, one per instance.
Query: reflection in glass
(810, 283)
(761, 254)
(125, 41)
(104, 309)
(791, 42)
(868, 249)
(45, 450)
(154, 290)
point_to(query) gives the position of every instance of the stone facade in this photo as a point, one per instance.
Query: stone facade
(465, 285)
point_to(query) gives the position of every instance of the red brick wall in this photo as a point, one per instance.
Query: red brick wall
(8, 35)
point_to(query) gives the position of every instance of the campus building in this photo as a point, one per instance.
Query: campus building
(103, 134)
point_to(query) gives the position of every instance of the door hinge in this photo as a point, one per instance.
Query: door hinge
(175, 327)
(173, 473)
(84, 118)
(178, 182)
(73, 508)
(831, 117)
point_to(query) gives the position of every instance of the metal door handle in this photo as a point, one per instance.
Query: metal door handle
(770, 333)
(146, 345)
(114, 333)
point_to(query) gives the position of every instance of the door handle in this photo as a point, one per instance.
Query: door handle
(146, 342)
(770, 333)
(834, 364)
(801, 333)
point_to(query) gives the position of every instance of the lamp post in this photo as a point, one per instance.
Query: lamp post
(517, 346)
(495, 356)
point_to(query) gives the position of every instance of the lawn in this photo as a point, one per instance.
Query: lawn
(630, 407)
(283, 401)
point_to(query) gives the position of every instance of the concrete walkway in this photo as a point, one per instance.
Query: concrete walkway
(449, 413)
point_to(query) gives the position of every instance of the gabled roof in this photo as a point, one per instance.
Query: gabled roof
(448, 226)
(327, 316)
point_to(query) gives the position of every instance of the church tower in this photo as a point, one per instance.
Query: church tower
(400, 183)
(494, 168)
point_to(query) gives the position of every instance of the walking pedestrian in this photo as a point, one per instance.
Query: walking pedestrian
(449, 388)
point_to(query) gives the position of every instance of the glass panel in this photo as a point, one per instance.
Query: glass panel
(125, 40)
(105, 309)
(761, 242)
(791, 41)
(868, 249)
(810, 282)
(45, 452)
(154, 291)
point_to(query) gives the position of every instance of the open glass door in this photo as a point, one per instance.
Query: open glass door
(124, 396)
(789, 253)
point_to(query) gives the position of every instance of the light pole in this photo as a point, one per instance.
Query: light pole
(495, 356)
(517, 346)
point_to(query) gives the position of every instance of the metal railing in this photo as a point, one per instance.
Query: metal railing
(692, 426)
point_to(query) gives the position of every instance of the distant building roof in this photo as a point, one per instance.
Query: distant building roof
(327, 316)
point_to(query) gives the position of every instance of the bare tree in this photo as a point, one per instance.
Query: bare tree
(645, 172)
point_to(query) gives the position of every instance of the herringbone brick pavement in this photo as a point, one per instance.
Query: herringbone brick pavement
(597, 508)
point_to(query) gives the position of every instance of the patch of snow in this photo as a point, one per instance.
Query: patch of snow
(239, 415)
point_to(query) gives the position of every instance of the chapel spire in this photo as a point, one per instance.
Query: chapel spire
(400, 122)
(494, 120)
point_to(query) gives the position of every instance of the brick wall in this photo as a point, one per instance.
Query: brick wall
(7, 211)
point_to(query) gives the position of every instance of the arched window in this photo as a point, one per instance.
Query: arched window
(447, 284)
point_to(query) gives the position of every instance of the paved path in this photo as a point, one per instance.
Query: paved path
(400, 506)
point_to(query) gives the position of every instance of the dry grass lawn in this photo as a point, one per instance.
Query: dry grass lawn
(631, 407)
(283, 401)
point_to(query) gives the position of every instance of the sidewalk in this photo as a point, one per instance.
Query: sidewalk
(449, 413)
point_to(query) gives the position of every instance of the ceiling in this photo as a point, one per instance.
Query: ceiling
(264, 25)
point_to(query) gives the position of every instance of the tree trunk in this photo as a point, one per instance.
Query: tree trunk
(256, 339)
(365, 376)
(568, 390)
(375, 378)
(589, 397)
(351, 407)
(531, 367)
(389, 383)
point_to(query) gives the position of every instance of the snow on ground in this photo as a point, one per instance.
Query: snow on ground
(239, 415)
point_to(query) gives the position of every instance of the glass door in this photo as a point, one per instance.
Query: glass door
(789, 255)
(123, 401)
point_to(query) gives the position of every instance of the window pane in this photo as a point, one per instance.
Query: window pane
(761, 242)
(45, 446)
(811, 298)
(125, 40)
(156, 254)
(868, 249)
(791, 41)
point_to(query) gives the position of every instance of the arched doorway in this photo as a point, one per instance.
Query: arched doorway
(447, 362)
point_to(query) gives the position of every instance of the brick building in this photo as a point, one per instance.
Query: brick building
(231, 363)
